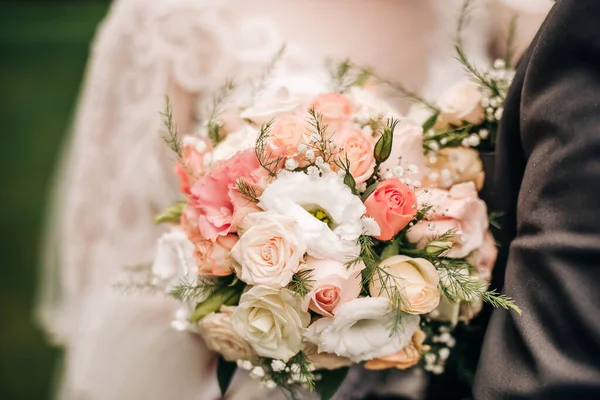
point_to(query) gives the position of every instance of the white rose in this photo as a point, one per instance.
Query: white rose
(174, 260)
(461, 102)
(269, 251)
(360, 330)
(407, 149)
(242, 139)
(416, 280)
(219, 336)
(328, 214)
(272, 321)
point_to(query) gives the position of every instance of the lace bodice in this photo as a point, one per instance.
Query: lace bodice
(118, 174)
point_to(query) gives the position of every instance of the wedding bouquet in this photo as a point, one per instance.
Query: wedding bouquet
(311, 240)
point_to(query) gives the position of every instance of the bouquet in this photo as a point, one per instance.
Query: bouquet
(311, 240)
(322, 229)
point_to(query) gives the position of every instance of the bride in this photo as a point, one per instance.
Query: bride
(118, 174)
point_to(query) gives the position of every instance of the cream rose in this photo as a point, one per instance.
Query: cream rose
(405, 358)
(461, 102)
(269, 251)
(219, 336)
(215, 258)
(271, 321)
(458, 210)
(360, 330)
(416, 280)
(333, 284)
(455, 165)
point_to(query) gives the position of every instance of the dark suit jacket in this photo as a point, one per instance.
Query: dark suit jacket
(548, 161)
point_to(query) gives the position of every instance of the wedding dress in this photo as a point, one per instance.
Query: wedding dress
(118, 174)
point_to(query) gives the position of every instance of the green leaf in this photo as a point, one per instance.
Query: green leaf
(370, 189)
(391, 249)
(330, 382)
(427, 125)
(225, 372)
(171, 214)
(228, 296)
(350, 182)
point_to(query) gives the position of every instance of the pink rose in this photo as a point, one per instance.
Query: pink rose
(332, 285)
(460, 210)
(215, 204)
(392, 205)
(335, 110)
(358, 148)
(407, 149)
(288, 132)
(484, 258)
(215, 258)
(194, 151)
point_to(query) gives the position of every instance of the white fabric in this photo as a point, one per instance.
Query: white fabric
(118, 173)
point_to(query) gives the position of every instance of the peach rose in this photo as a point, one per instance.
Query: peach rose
(358, 149)
(215, 258)
(325, 360)
(416, 279)
(335, 110)
(459, 210)
(404, 359)
(194, 151)
(461, 165)
(211, 205)
(392, 205)
(332, 285)
(288, 132)
(460, 103)
(407, 149)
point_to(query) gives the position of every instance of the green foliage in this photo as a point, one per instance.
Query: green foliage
(301, 282)
(266, 158)
(330, 382)
(171, 214)
(171, 136)
(225, 372)
(427, 125)
(383, 147)
(216, 108)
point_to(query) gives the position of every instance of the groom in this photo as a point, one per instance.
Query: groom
(548, 162)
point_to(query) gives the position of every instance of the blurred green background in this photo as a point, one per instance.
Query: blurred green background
(43, 51)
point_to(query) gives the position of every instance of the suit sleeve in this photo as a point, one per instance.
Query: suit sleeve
(552, 350)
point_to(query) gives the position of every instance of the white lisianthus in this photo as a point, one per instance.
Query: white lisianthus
(328, 214)
(360, 330)
(269, 251)
(272, 321)
(219, 336)
(242, 139)
(174, 260)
